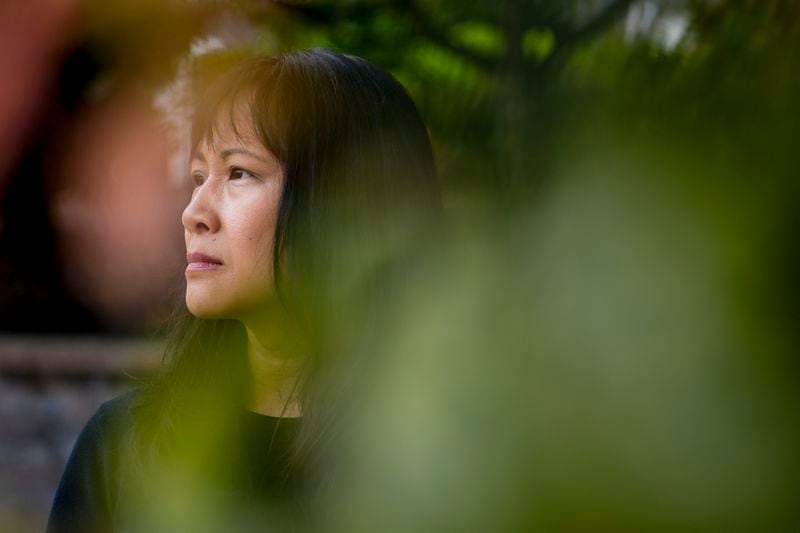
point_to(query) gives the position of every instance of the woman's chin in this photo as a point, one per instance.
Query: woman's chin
(206, 310)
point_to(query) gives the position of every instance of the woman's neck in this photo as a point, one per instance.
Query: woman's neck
(274, 368)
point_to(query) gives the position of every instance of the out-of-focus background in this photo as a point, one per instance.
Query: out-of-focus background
(614, 345)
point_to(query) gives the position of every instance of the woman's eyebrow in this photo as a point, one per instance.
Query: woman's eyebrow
(225, 154)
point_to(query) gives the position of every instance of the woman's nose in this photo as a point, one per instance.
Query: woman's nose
(201, 214)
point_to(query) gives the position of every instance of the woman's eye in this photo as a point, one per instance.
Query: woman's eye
(239, 173)
(197, 179)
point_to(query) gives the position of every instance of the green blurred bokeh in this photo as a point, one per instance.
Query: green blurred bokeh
(611, 342)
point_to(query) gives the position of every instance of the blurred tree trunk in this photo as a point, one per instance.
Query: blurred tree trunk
(515, 108)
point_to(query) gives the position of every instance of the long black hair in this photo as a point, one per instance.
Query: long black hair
(360, 199)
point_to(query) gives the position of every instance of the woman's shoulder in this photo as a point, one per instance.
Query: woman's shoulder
(121, 405)
(87, 491)
(115, 413)
(110, 424)
(99, 446)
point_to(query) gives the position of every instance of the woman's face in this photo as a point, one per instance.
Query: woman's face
(231, 218)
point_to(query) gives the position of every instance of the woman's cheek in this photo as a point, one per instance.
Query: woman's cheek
(252, 224)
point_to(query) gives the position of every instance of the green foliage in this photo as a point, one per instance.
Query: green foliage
(538, 44)
(614, 353)
(480, 36)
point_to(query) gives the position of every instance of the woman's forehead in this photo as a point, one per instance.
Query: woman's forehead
(226, 131)
(229, 143)
(231, 114)
(240, 119)
(229, 130)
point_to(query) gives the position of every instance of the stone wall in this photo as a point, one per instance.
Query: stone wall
(49, 388)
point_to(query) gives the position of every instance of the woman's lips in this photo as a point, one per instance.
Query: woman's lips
(193, 267)
(199, 261)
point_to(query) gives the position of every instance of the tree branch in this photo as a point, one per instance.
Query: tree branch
(419, 18)
(599, 23)
(433, 34)
(312, 14)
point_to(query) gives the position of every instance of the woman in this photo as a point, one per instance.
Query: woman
(314, 183)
